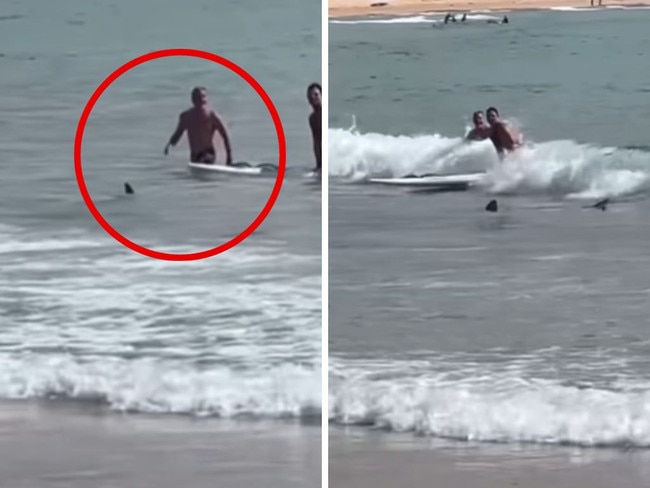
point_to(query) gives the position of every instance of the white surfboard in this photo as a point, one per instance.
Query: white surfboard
(237, 168)
(433, 181)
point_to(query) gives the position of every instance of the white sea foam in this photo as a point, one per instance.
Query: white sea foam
(478, 402)
(83, 322)
(414, 19)
(556, 167)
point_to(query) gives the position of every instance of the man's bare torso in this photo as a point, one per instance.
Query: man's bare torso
(504, 138)
(315, 123)
(479, 133)
(201, 128)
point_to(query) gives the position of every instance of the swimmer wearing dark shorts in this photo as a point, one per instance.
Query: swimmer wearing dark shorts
(207, 156)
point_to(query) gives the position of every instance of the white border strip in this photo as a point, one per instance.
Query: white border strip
(325, 250)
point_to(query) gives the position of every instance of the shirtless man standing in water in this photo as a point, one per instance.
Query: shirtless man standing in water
(315, 123)
(201, 122)
(504, 137)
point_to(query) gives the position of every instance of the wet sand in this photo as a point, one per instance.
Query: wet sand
(44, 447)
(347, 8)
(360, 459)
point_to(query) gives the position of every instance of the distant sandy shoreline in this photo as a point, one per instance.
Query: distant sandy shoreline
(350, 8)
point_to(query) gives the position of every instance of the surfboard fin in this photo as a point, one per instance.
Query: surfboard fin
(492, 206)
(128, 189)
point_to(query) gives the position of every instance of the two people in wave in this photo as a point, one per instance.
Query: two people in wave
(503, 135)
(452, 18)
(202, 123)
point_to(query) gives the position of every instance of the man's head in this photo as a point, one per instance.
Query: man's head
(477, 118)
(492, 115)
(199, 96)
(314, 95)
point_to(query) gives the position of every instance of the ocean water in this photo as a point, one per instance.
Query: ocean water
(529, 325)
(84, 319)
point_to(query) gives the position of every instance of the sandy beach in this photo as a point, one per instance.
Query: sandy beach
(67, 446)
(348, 8)
(375, 460)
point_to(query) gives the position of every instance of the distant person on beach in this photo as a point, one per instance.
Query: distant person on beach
(201, 124)
(481, 130)
(463, 18)
(314, 92)
(600, 3)
(504, 137)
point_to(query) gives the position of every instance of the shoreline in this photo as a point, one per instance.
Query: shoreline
(361, 8)
(39, 406)
(373, 460)
(65, 445)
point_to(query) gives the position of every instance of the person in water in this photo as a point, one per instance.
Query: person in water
(314, 92)
(201, 123)
(450, 17)
(504, 137)
(481, 129)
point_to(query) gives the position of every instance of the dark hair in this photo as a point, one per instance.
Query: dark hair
(492, 109)
(314, 85)
(197, 89)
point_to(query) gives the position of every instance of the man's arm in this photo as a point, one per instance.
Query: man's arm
(221, 129)
(505, 136)
(178, 133)
(517, 136)
(316, 132)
